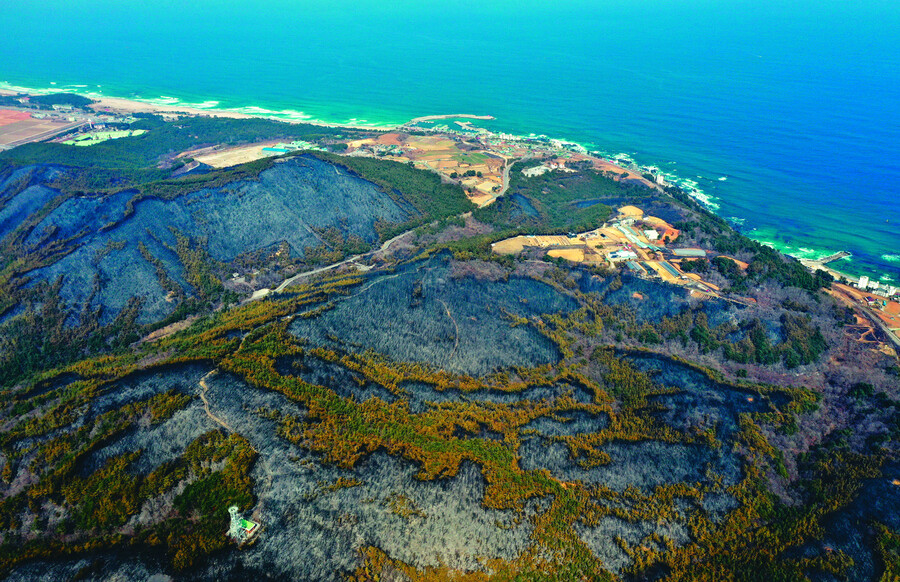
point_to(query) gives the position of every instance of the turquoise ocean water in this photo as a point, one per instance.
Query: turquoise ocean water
(785, 115)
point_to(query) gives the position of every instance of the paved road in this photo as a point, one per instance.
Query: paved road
(384, 246)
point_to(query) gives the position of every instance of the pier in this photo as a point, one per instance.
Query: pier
(834, 257)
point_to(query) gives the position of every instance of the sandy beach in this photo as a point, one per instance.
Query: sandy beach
(120, 105)
(816, 266)
(123, 105)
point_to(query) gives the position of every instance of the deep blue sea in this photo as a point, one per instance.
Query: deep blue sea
(785, 114)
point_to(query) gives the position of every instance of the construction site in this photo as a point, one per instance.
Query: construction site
(877, 317)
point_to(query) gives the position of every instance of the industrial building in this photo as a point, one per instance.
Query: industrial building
(693, 253)
(623, 255)
(632, 237)
(672, 270)
(636, 268)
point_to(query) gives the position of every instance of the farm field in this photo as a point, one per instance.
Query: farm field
(17, 128)
(228, 157)
(480, 174)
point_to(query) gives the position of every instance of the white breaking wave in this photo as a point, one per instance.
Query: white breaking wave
(796, 252)
(161, 100)
(690, 187)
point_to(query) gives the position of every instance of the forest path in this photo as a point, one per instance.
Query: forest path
(455, 325)
(204, 387)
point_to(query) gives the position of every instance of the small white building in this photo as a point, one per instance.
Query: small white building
(623, 255)
(651, 234)
(863, 282)
(241, 529)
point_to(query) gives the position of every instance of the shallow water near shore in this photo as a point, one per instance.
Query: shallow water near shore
(794, 105)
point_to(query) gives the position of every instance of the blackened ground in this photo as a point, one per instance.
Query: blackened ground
(422, 314)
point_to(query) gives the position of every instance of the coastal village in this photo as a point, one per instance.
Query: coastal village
(479, 159)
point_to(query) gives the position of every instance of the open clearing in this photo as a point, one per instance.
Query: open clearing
(234, 156)
(8, 116)
(575, 255)
(16, 130)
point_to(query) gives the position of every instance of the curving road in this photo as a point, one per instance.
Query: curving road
(384, 246)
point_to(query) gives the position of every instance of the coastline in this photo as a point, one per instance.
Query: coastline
(816, 266)
(122, 105)
(450, 116)
(211, 109)
(119, 104)
(125, 105)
